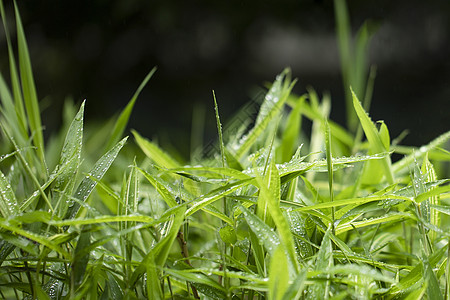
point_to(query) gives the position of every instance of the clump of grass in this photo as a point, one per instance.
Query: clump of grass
(269, 213)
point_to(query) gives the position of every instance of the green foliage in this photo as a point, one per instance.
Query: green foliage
(261, 217)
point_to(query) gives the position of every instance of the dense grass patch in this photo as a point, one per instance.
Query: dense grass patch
(267, 211)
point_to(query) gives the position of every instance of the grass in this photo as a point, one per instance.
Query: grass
(266, 212)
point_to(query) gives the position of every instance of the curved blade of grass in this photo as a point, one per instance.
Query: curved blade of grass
(20, 242)
(215, 195)
(271, 107)
(122, 120)
(266, 236)
(167, 196)
(80, 260)
(70, 156)
(416, 274)
(192, 276)
(88, 184)
(212, 172)
(155, 153)
(433, 288)
(324, 261)
(419, 153)
(29, 91)
(278, 277)
(373, 136)
(104, 219)
(18, 113)
(34, 237)
(392, 217)
(27, 167)
(292, 131)
(159, 253)
(8, 201)
(351, 201)
(329, 158)
(271, 194)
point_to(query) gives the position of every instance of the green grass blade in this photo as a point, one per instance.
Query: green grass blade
(167, 196)
(329, 158)
(122, 120)
(373, 136)
(278, 277)
(271, 107)
(219, 131)
(69, 162)
(8, 201)
(215, 195)
(80, 260)
(265, 235)
(43, 240)
(433, 288)
(88, 184)
(291, 132)
(29, 91)
(343, 31)
(155, 153)
(419, 153)
(324, 261)
(270, 192)
(22, 124)
(20, 242)
(159, 253)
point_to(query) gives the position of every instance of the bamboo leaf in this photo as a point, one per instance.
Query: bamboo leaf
(155, 153)
(278, 277)
(8, 201)
(215, 195)
(271, 107)
(88, 184)
(29, 90)
(122, 120)
(376, 144)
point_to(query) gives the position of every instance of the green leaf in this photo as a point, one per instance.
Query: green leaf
(278, 277)
(265, 235)
(8, 201)
(433, 288)
(375, 141)
(159, 253)
(122, 120)
(419, 153)
(215, 195)
(33, 236)
(20, 242)
(291, 132)
(228, 235)
(29, 90)
(88, 184)
(270, 191)
(271, 107)
(324, 261)
(155, 153)
(80, 259)
(69, 162)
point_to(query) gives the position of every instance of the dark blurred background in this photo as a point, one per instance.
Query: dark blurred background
(101, 50)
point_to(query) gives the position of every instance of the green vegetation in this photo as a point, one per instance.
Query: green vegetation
(266, 212)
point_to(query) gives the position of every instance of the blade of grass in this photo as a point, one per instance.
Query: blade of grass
(29, 91)
(278, 277)
(122, 120)
(272, 106)
(155, 153)
(374, 139)
(70, 156)
(88, 184)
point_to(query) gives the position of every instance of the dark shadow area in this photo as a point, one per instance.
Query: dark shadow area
(102, 50)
